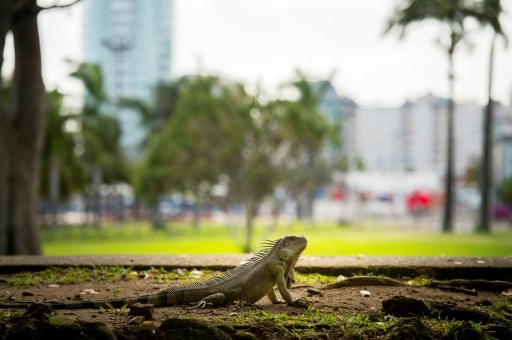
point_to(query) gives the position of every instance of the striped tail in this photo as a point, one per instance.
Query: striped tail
(158, 300)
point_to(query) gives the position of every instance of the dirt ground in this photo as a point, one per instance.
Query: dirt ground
(348, 300)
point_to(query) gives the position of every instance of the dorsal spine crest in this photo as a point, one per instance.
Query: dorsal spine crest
(265, 250)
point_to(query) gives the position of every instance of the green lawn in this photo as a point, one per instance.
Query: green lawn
(139, 238)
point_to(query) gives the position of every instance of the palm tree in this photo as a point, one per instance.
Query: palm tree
(61, 171)
(309, 132)
(490, 12)
(452, 14)
(100, 134)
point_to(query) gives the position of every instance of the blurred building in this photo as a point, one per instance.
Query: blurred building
(502, 136)
(338, 110)
(380, 138)
(131, 40)
(413, 137)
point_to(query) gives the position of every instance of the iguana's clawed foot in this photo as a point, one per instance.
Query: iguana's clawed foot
(200, 305)
(214, 300)
(301, 303)
(278, 302)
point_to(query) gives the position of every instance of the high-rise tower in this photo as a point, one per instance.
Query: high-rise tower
(131, 41)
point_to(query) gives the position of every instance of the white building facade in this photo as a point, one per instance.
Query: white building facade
(413, 137)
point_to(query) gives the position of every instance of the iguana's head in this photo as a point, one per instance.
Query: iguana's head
(290, 248)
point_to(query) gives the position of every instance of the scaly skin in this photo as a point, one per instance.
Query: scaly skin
(249, 282)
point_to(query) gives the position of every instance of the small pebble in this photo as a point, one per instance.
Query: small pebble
(138, 320)
(244, 335)
(507, 292)
(144, 310)
(314, 291)
(196, 274)
(364, 293)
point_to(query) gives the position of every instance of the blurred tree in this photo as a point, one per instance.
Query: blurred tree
(61, 173)
(253, 170)
(505, 190)
(472, 175)
(150, 176)
(489, 15)
(149, 185)
(310, 138)
(219, 131)
(453, 14)
(99, 135)
(155, 114)
(193, 147)
(21, 131)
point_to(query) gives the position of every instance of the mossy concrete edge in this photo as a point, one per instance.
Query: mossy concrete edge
(440, 267)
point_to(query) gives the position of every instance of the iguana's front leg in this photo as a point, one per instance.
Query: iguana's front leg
(290, 279)
(271, 294)
(282, 284)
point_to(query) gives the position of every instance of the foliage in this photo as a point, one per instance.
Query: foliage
(99, 138)
(218, 133)
(195, 143)
(99, 129)
(505, 190)
(59, 152)
(155, 113)
(308, 137)
(452, 13)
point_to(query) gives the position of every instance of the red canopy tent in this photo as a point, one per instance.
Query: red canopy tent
(419, 200)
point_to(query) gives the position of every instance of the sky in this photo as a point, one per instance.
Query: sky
(264, 42)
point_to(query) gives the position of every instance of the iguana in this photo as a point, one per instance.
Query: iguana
(272, 265)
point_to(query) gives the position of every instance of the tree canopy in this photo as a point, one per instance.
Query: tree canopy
(219, 132)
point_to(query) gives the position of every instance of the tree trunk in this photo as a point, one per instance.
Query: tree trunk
(305, 203)
(196, 215)
(97, 179)
(24, 136)
(54, 185)
(6, 8)
(250, 211)
(485, 224)
(448, 205)
(156, 217)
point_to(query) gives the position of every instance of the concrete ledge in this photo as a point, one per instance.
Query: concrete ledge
(442, 267)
